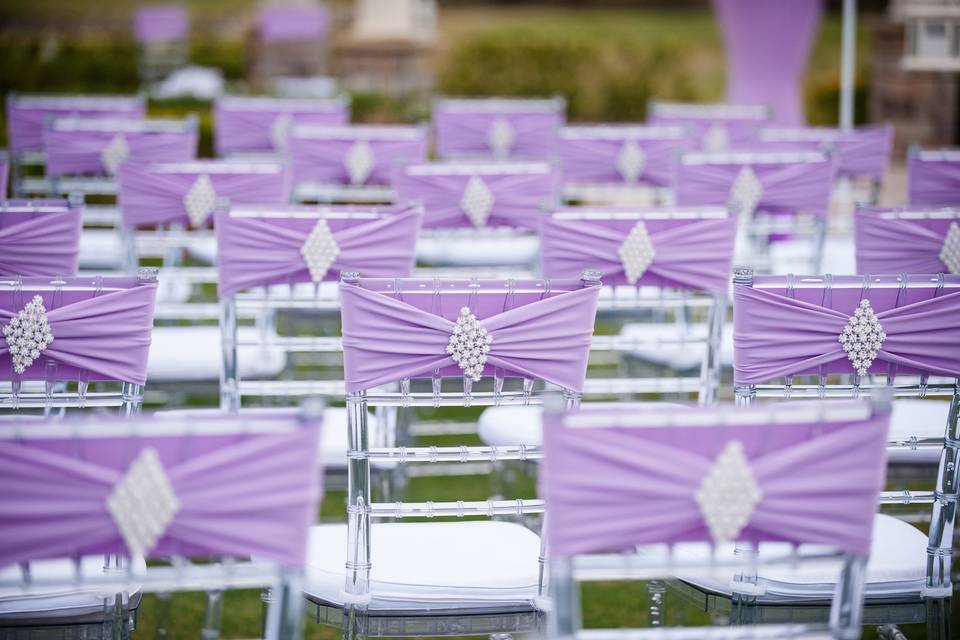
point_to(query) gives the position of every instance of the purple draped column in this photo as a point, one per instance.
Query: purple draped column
(768, 43)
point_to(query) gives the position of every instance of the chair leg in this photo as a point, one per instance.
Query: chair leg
(938, 618)
(656, 592)
(212, 616)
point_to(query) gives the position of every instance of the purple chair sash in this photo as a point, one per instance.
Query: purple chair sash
(98, 335)
(261, 124)
(283, 23)
(543, 335)
(611, 488)
(934, 178)
(161, 24)
(239, 494)
(788, 186)
(322, 154)
(499, 127)
(862, 152)
(776, 335)
(153, 194)
(712, 127)
(80, 149)
(4, 173)
(599, 154)
(39, 238)
(689, 253)
(905, 241)
(27, 114)
(519, 193)
(260, 251)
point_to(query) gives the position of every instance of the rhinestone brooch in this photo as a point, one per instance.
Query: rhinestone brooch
(359, 162)
(469, 344)
(200, 201)
(28, 334)
(143, 503)
(636, 253)
(631, 161)
(319, 250)
(862, 337)
(477, 201)
(279, 129)
(950, 253)
(116, 151)
(746, 192)
(728, 494)
(716, 138)
(500, 137)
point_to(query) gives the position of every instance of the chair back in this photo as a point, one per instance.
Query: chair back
(620, 154)
(260, 124)
(498, 127)
(933, 178)
(910, 240)
(39, 237)
(4, 173)
(711, 127)
(161, 24)
(293, 23)
(480, 194)
(863, 152)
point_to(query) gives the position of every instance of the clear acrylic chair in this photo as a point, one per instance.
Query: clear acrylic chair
(498, 128)
(39, 237)
(712, 126)
(350, 164)
(77, 332)
(27, 114)
(643, 494)
(250, 125)
(776, 196)
(420, 333)
(848, 336)
(907, 240)
(86, 501)
(933, 177)
(613, 164)
(162, 33)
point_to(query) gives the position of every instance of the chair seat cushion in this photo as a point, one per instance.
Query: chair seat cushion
(191, 354)
(921, 418)
(424, 567)
(492, 251)
(896, 571)
(100, 249)
(679, 357)
(75, 604)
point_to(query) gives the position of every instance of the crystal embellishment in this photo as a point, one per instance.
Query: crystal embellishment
(500, 137)
(636, 252)
(716, 138)
(745, 193)
(631, 162)
(728, 494)
(359, 162)
(469, 344)
(862, 337)
(143, 503)
(319, 250)
(950, 253)
(278, 131)
(27, 334)
(477, 201)
(200, 201)
(116, 151)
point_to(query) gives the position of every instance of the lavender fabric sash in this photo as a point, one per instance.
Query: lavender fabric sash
(26, 115)
(81, 152)
(599, 154)
(861, 153)
(154, 194)
(324, 157)
(712, 133)
(258, 125)
(899, 245)
(775, 335)
(161, 24)
(689, 254)
(386, 339)
(519, 198)
(787, 187)
(254, 252)
(4, 174)
(41, 243)
(284, 23)
(103, 336)
(239, 495)
(933, 182)
(529, 132)
(611, 488)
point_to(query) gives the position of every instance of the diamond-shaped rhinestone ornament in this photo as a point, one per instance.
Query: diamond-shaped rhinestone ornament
(278, 131)
(469, 344)
(477, 201)
(631, 161)
(143, 503)
(716, 138)
(636, 252)
(745, 193)
(359, 162)
(200, 201)
(728, 494)
(319, 250)
(500, 137)
(116, 151)
(27, 334)
(950, 253)
(862, 337)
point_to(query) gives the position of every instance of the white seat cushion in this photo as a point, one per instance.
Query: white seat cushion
(896, 570)
(189, 354)
(921, 418)
(56, 602)
(793, 256)
(101, 249)
(432, 566)
(492, 251)
(680, 357)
